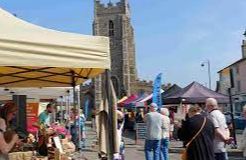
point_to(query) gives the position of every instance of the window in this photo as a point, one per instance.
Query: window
(239, 86)
(111, 28)
(237, 69)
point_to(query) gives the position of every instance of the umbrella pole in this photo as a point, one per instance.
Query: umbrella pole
(110, 117)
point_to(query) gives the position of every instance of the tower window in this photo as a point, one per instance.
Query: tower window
(111, 28)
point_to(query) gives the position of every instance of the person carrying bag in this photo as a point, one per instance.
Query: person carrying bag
(197, 132)
(184, 154)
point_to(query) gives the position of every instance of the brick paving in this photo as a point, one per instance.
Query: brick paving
(135, 151)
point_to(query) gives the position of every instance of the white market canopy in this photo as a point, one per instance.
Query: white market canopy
(32, 56)
(35, 93)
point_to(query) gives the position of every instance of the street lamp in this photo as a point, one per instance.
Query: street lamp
(207, 62)
(244, 33)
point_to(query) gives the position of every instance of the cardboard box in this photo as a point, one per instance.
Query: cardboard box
(20, 155)
(41, 158)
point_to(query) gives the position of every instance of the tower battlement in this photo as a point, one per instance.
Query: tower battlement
(121, 7)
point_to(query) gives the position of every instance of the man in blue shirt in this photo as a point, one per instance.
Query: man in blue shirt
(44, 117)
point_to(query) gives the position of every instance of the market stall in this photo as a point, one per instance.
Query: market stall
(32, 56)
(194, 93)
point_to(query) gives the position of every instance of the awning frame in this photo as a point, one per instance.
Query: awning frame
(42, 70)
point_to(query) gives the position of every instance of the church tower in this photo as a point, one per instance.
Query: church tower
(114, 21)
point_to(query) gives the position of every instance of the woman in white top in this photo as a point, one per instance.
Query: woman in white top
(165, 134)
(7, 113)
(242, 146)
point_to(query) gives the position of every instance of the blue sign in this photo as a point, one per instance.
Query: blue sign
(157, 91)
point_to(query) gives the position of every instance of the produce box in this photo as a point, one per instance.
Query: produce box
(20, 155)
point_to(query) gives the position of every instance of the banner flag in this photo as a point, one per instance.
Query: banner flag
(157, 91)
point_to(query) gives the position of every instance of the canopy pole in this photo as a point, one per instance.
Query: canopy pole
(73, 85)
(61, 117)
(80, 119)
(68, 112)
(76, 107)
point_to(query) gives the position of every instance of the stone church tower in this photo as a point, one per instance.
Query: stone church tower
(114, 21)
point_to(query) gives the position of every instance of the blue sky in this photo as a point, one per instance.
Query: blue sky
(172, 36)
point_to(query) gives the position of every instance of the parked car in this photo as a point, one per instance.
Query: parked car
(240, 122)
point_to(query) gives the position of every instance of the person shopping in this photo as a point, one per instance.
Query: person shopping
(242, 145)
(8, 138)
(154, 123)
(222, 134)
(77, 123)
(198, 134)
(165, 134)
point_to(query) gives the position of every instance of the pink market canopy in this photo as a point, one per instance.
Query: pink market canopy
(195, 93)
(134, 102)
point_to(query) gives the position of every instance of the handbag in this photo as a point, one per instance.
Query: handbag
(184, 152)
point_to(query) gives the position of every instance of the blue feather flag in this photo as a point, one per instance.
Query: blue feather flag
(157, 91)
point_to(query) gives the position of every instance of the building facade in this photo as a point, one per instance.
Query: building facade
(235, 73)
(114, 21)
(143, 87)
